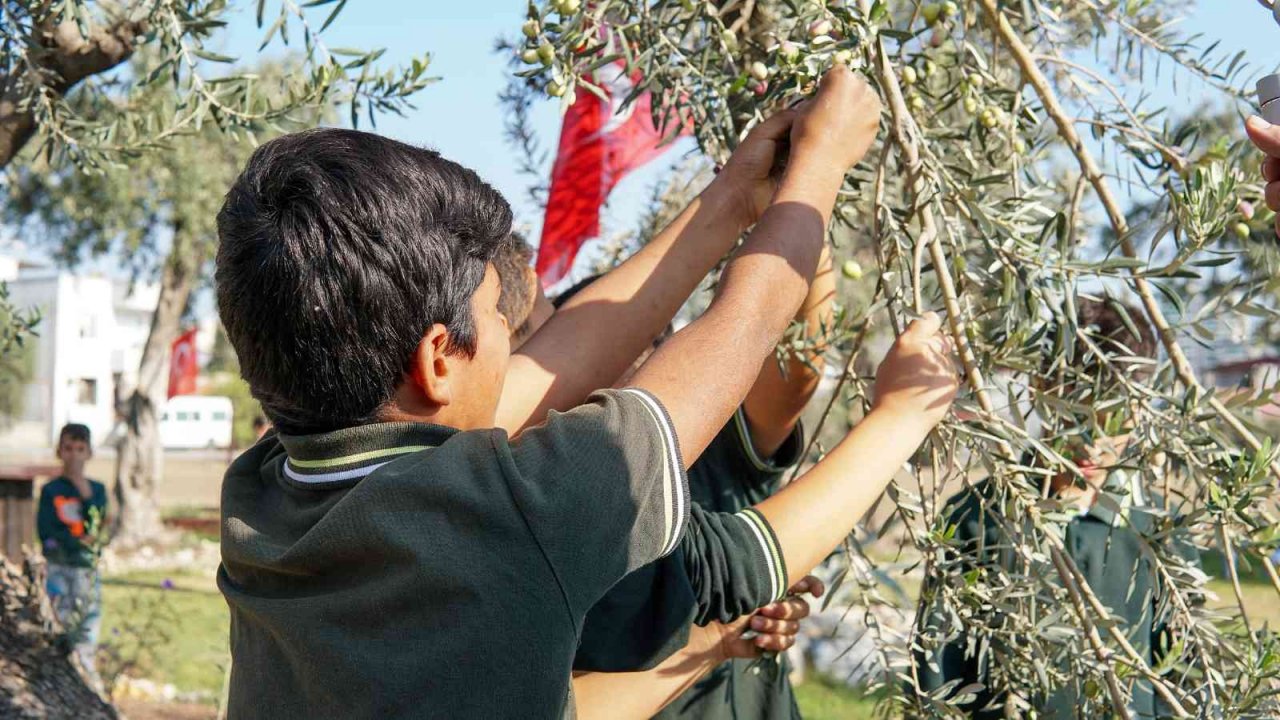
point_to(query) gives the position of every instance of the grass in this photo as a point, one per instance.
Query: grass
(172, 635)
(822, 698)
(179, 635)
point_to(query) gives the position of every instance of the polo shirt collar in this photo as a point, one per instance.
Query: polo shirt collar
(1120, 493)
(347, 455)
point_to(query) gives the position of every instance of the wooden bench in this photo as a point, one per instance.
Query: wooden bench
(18, 506)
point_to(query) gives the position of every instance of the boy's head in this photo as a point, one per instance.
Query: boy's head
(354, 280)
(1116, 329)
(527, 316)
(522, 301)
(74, 447)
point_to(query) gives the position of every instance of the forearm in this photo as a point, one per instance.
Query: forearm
(619, 696)
(781, 392)
(596, 336)
(704, 372)
(812, 515)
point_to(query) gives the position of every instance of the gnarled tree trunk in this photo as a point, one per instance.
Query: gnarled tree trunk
(140, 460)
(39, 677)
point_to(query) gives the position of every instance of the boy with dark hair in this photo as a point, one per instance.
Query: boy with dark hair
(71, 521)
(392, 551)
(719, 571)
(1116, 521)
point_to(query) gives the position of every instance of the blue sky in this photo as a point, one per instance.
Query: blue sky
(460, 115)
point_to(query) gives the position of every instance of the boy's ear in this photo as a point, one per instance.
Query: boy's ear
(431, 370)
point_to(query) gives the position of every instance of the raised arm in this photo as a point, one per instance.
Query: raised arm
(596, 336)
(914, 388)
(774, 405)
(704, 371)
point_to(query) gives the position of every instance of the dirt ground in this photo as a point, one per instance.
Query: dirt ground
(190, 479)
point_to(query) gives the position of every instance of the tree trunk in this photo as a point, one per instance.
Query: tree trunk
(64, 57)
(140, 460)
(39, 677)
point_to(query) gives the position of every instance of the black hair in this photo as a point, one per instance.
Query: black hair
(337, 250)
(75, 431)
(512, 265)
(1117, 328)
(573, 289)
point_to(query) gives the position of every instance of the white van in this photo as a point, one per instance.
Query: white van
(196, 421)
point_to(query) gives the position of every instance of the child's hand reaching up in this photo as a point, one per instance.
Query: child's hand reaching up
(918, 379)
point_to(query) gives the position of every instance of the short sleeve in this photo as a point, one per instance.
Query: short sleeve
(753, 463)
(734, 563)
(602, 488)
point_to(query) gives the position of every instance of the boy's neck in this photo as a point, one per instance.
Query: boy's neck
(77, 477)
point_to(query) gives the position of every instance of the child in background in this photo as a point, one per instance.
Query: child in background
(70, 518)
(1117, 521)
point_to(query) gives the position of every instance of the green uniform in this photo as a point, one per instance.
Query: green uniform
(407, 570)
(1107, 545)
(646, 617)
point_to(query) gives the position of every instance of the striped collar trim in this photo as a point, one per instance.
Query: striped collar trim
(350, 454)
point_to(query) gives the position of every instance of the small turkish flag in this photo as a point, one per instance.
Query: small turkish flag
(182, 364)
(600, 142)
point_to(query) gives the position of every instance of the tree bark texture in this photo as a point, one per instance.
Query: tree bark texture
(61, 58)
(39, 677)
(140, 460)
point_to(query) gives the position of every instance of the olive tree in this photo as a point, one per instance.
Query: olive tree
(140, 125)
(1022, 164)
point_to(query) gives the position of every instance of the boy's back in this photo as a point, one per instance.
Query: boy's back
(408, 570)
(1110, 551)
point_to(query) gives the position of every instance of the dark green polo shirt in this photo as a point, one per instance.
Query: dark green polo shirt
(726, 566)
(1109, 550)
(405, 570)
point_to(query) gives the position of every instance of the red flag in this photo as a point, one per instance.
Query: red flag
(600, 142)
(182, 364)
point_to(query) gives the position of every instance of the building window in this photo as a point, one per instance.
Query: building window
(86, 391)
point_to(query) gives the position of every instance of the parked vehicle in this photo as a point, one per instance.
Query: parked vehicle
(196, 421)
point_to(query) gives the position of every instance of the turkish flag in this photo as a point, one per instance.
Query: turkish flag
(600, 142)
(182, 364)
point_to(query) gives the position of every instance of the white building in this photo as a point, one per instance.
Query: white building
(85, 352)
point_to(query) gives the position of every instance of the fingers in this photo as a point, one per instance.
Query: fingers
(775, 127)
(793, 608)
(808, 584)
(835, 78)
(1264, 135)
(1272, 195)
(1271, 169)
(773, 626)
(926, 327)
(774, 643)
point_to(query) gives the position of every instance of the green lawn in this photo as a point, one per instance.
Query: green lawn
(821, 698)
(179, 634)
(172, 635)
